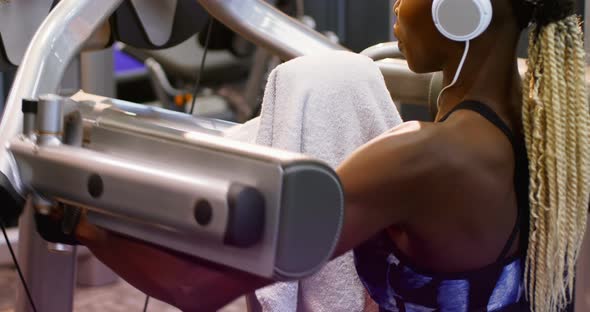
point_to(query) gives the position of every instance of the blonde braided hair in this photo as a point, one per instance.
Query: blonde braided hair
(556, 123)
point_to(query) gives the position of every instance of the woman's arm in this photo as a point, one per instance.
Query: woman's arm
(187, 283)
(384, 179)
(379, 182)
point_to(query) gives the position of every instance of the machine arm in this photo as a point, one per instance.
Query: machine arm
(159, 176)
(59, 40)
(266, 26)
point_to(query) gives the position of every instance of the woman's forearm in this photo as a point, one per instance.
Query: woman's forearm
(187, 283)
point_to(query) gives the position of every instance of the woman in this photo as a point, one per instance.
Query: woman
(439, 215)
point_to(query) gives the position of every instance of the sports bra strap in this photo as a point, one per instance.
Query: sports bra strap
(489, 114)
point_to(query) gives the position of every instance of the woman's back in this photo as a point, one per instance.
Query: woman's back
(461, 252)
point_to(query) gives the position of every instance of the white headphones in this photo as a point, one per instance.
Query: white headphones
(462, 20)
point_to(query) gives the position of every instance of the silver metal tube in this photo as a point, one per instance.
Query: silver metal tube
(266, 26)
(134, 190)
(29, 124)
(56, 43)
(157, 192)
(50, 120)
(60, 38)
(95, 108)
(49, 275)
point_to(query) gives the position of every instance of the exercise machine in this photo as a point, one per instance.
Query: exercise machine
(93, 152)
(243, 206)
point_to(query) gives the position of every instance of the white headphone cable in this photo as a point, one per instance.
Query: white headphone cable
(457, 74)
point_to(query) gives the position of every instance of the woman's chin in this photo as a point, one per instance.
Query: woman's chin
(412, 66)
(419, 68)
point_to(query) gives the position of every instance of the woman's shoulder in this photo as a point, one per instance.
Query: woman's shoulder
(477, 141)
(466, 140)
(478, 159)
(466, 150)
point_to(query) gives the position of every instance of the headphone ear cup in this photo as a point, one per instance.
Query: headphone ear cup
(462, 20)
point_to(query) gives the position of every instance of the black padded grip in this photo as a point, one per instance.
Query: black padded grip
(246, 216)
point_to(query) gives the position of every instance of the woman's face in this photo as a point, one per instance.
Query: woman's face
(422, 44)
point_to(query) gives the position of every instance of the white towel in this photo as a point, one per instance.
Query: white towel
(324, 106)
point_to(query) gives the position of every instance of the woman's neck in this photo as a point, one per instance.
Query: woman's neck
(490, 75)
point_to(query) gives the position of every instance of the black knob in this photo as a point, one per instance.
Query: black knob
(245, 225)
(95, 186)
(203, 212)
(29, 106)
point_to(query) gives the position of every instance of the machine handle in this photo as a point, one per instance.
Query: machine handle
(130, 189)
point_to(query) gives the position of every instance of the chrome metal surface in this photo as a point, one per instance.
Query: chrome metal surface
(151, 179)
(56, 43)
(50, 119)
(133, 189)
(196, 153)
(266, 26)
(96, 76)
(95, 108)
(49, 275)
(29, 122)
(61, 248)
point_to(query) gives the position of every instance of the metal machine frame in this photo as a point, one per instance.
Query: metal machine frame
(239, 205)
(105, 149)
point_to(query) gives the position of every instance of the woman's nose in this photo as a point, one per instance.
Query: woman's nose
(396, 7)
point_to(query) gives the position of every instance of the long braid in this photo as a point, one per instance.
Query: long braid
(534, 129)
(556, 123)
(559, 87)
(547, 162)
(573, 217)
(528, 134)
